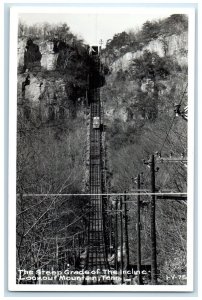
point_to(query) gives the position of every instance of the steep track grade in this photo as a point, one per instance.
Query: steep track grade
(97, 256)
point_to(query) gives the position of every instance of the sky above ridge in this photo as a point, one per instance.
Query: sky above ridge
(94, 27)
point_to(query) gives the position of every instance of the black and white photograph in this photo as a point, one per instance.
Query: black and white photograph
(101, 151)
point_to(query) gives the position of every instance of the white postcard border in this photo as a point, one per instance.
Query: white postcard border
(12, 150)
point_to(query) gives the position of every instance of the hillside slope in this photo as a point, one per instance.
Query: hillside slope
(146, 80)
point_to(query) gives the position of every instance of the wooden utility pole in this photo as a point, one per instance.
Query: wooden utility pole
(79, 244)
(73, 251)
(138, 234)
(57, 255)
(116, 236)
(121, 248)
(153, 226)
(110, 231)
(126, 232)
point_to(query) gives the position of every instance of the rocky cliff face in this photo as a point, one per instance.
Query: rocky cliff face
(45, 97)
(45, 94)
(48, 59)
(174, 45)
(124, 94)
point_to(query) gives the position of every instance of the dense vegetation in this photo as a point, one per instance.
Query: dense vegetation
(140, 121)
(51, 146)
